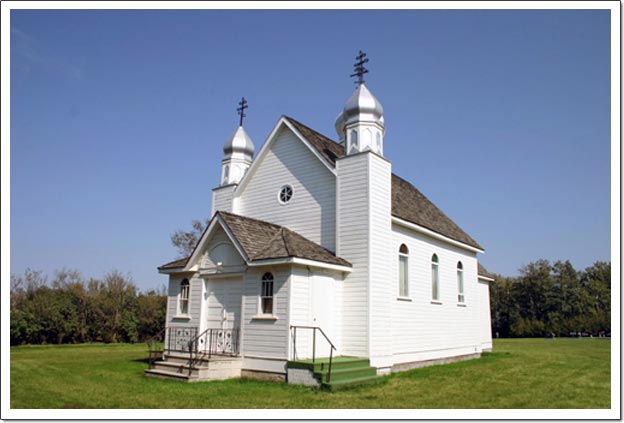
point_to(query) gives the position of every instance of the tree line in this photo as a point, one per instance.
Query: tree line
(72, 309)
(552, 298)
(547, 298)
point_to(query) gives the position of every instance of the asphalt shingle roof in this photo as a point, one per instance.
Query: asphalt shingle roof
(262, 240)
(408, 203)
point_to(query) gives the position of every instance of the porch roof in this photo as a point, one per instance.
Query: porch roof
(262, 240)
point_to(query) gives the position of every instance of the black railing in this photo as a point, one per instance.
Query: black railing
(179, 339)
(155, 348)
(212, 342)
(294, 328)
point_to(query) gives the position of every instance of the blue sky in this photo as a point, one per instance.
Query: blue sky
(502, 118)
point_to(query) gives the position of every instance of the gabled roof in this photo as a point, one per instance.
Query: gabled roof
(262, 240)
(408, 203)
(176, 264)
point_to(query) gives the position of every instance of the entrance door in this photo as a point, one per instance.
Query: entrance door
(223, 314)
(322, 313)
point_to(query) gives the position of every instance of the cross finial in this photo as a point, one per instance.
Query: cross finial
(241, 110)
(360, 70)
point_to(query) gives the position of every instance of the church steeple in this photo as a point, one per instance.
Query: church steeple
(238, 151)
(361, 124)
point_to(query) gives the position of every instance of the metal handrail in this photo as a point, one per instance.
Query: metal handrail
(150, 344)
(212, 335)
(314, 329)
(193, 343)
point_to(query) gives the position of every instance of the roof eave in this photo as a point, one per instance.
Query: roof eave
(436, 235)
(301, 261)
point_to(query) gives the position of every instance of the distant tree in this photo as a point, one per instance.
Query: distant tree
(553, 298)
(70, 310)
(185, 241)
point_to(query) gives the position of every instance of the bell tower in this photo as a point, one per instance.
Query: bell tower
(238, 153)
(360, 126)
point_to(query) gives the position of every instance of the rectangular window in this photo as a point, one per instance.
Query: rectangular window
(266, 294)
(184, 296)
(460, 286)
(403, 277)
(435, 289)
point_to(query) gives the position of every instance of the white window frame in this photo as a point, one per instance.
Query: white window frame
(184, 297)
(279, 194)
(262, 297)
(404, 284)
(461, 297)
(435, 278)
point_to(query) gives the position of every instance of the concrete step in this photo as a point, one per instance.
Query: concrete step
(217, 369)
(164, 374)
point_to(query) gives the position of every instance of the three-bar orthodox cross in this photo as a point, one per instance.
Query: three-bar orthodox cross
(360, 70)
(241, 109)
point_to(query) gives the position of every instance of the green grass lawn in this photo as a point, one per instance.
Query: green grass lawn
(520, 373)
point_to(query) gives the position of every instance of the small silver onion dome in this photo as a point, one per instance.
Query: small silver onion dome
(339, 124)
(361, 106)
(239, 142)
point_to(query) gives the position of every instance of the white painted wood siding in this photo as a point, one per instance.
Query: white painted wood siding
(300, 309)
(222, 199)
(380, 240)
(421, 329)
(219, 248)
(312, 210)
(485, 319)
(262, 337)
(352, 226)
(174, 319)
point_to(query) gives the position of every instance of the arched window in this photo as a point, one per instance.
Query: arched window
(185, 288)
(435, 280)
(266, 294)
(226, 173)
(354, 141)
(403, 271)
(378, 142)
(460, 282)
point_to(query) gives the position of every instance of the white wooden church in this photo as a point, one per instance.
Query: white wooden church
(321, 266)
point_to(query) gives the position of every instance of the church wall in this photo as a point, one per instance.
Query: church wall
(222, 199)
(352, 225)
(315, 301)
(312, 210)
(264, 337)
(485, 318)
(380, 350)
(421, 328)
(193, 319)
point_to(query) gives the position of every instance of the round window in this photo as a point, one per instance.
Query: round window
(285, 194)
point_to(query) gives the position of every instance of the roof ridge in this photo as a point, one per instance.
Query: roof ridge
(283, 235)
(310, 129)
(249, 218)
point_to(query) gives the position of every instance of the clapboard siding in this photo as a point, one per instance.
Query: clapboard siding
(352, 244)
(312, 210)
(483, 288)
(222, 199)
(195, 302)
(420, 326)
(266, 338)
(300, 313)
(380, 256)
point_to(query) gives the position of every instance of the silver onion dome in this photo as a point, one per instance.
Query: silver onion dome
(361, 106)
(240, 143)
